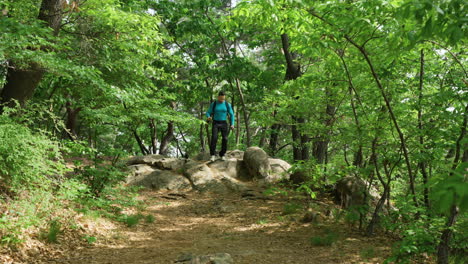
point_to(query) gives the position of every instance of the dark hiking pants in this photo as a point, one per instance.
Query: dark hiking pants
(223, 127)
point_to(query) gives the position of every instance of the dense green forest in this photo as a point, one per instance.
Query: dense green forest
(369, 88)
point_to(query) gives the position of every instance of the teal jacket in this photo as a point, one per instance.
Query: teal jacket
(221, 111)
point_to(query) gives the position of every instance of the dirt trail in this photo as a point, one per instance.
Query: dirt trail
(253, 231)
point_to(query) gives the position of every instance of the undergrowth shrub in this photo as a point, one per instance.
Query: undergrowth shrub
(36, 197)
(27, 159)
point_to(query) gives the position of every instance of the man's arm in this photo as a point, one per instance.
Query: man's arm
(208, 113)
(231, 114)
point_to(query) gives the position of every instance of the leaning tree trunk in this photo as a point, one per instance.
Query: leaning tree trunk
(168, 136)
(21, 83)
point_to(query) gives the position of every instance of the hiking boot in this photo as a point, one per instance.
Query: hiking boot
(223, 158)
(213, 158)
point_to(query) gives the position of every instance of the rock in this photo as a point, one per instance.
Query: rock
(232, 184)
(160, 172)
(350, 191)
(279, 170)
(236, 154)
(233, 168)
(217, 258)
(230, 154)
(148, 159)
(203, 178)
(169, 163)
(202, 156)
(198, 173)
(161, 179)
(257, 162)
(138, 170)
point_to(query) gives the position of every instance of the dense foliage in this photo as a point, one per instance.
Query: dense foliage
(375, 89)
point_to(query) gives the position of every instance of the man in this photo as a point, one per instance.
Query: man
(217, 112)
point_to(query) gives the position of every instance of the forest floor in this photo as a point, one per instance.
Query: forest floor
(252, 229)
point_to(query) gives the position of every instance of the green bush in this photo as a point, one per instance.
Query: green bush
(51, 235)
(130, 220)
(99, 177)
(27, 158)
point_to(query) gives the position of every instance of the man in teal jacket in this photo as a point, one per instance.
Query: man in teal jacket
(217, 112)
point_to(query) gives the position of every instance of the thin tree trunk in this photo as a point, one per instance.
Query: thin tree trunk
(392, 117)
(358, 157)
(244, 108)
(201, 136)
(144, 150)
(153, 131)
(275, 128)
(422, 164)
(386, 185)
(443, 248)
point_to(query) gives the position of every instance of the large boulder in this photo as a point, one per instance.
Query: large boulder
(160, 172)
(148, 159)
(138, 170)
(169, 163)
(233, 168)
(350, 191)
(205, 178)
(161, 180)
(257, 163)
(279, 170)
(237, 154)
(199, 174)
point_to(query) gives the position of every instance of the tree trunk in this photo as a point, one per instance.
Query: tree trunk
(443, 248)
(72, 117)
(320, 147)
(364, 53)
(168, 136)
(422, 164)
(386, 186)
(293, 71)
(144, 150)
(244, 111)
(358, 157)
(153, 131)
(21, 83)
(275, 128)
(201, 134)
